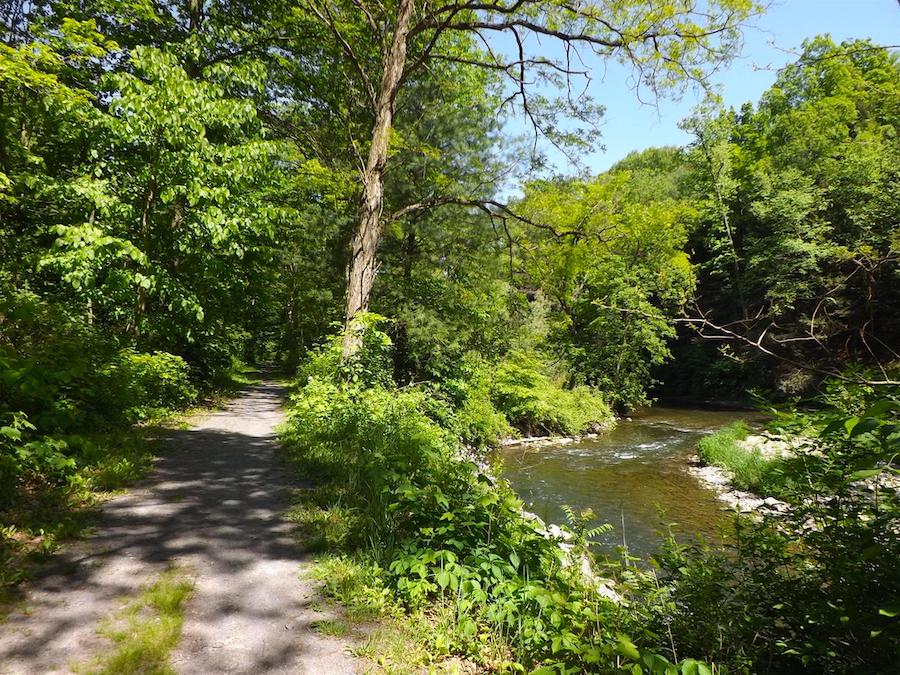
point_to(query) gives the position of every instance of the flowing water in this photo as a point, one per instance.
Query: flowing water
(627, 477)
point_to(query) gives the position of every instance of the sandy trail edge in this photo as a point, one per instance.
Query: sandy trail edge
(213, 505)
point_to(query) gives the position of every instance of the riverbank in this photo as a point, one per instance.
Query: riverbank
(540, 441)
(751, 471)
(744, 468)
(721, 481)
(415, 536)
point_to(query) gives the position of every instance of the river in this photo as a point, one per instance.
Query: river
(626, 476)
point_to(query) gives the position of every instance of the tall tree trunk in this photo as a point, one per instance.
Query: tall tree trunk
(363, 265)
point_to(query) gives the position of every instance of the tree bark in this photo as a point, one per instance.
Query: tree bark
(363, 264)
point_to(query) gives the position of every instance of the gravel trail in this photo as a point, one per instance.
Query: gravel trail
(213, 506)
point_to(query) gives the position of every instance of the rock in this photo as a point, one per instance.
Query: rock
(773, 446)
(557, 532)
(603, 586)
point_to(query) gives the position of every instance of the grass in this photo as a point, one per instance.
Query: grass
(395, 646)
(331, 627)
(396, 641)
(146, 631)
(750, 470)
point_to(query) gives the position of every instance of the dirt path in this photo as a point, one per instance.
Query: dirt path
(214, 505)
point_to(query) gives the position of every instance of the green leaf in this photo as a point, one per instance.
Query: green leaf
(863, 474)
(833, 426)
(881, 407)
(11, 433)
(627, 648)
(866, 425)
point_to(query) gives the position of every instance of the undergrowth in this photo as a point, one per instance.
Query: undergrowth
(534, 403)
(414, 531)
(812, 589)
(44, 511)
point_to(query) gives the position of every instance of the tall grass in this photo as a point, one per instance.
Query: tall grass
(750, 470)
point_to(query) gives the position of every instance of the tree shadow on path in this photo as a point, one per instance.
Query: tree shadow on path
(215, 504)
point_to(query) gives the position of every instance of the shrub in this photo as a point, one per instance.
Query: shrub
(814, 589)
(68, 377)
(534, 403)
(140, 386)
(372, 363)
(24, 456)
(427, 528)
(463, 405)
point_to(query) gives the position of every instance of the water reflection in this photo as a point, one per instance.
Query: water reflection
(627, 477)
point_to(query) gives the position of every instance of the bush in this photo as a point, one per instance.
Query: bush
(371, 365)
(138, 386)
(24, 456)
(814, 589)
(535, 404)
(476, 421)
(463, 405)
(68, 377)
(427, 528)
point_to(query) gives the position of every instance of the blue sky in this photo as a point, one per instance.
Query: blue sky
(771, 43)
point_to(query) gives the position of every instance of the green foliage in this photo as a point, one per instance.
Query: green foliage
(48, 497)
(614, 268)
(371, 365)
(471, 412)
(814, 589)
(427, 528)
(749, 469)
(144, 385)
(69, 377)
(25, 456)
(797, 203)
(534, 403)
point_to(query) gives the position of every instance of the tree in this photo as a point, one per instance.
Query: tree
(614, 268)
(389, 44)
(803, 224)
